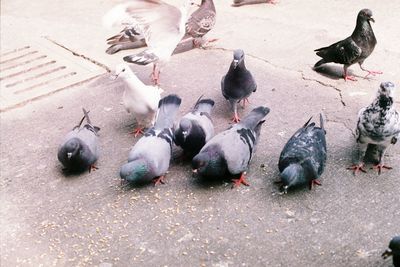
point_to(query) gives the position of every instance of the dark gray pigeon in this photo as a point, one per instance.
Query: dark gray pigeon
(149, 158)
(393, 250)
(201, 22)
(238, 83)
(230, 152)
(303, 158)
(353, 49)
(195, 128)
(79, 150)
(379, 124)
(237, 3)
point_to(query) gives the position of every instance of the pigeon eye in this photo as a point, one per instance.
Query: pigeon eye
(123, 70)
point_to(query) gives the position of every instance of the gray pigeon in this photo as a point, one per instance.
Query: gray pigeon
(238, 83)
(149, 158)
(379, 124)
(201, 22)
(303, 158)
(128, 38)
(230, 152)
(237, 3)
(79, 150)
(393, 250)
(195, 128)
(353, 49)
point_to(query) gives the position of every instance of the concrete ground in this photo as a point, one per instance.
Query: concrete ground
(48, 218)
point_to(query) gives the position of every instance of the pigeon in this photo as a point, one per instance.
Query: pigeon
(237, 3)
(161, 24)
(79, 150)
(353, 49)
(149, 158)
(238, 83)
(138, 98)
(201, 22)
(379, 124)
(302, 160)
(393, 250)
(195, 128)
(230, 152)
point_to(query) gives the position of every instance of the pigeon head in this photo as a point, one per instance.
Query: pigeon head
(121, 70)
(72, 148)
(292, 176)
(238, 57)
(134, 171)
(365, 15)
(185, 126)
(386, 89)
(209, 163)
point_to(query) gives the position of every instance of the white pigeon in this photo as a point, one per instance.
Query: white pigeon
(161, 24)
(378, 124)
(138, 98)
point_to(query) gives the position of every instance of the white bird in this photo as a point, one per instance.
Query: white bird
(378, 124)
(138, 98)
(161, 24)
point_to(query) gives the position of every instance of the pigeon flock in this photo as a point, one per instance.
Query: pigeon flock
(161, 27)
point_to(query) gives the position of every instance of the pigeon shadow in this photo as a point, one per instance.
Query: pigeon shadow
(203, 182)
(332, 71)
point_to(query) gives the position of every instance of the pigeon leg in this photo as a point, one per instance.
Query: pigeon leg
(235, 118)
(244, 100)
(137, 131)
(155, 75)
(159, 180)
(381, 165)
(92, 168)
(348, 77)
(314, 182)
(241, 180)
(359, 166)
(370, 72)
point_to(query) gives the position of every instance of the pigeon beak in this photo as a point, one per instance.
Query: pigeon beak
(69, 155)
(372, 19)
(194, 171)
(113, 76)
(235, 63)
(387, 253)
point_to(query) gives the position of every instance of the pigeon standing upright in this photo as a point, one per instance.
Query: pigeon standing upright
(138, 98)
(238, 83)
(79, 150)
(379, 124)
(230, 152)
(201, 22)
(162, 26)
(303, 158)
(195, 128)
(353, 49)
(394, 251)
(149, 158)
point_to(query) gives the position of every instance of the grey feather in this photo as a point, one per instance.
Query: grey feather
(79, 150)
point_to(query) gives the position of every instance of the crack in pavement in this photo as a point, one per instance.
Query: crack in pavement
(79, 55)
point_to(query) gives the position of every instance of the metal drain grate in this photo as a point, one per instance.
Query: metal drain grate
(33, 71)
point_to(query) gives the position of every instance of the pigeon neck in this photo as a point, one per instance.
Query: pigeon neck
(363, 28)
(132, 79)
(384, 102)
(239, 68)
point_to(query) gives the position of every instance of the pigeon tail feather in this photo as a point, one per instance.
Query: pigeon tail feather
(167, 109)
(254, 117)
(142, 58)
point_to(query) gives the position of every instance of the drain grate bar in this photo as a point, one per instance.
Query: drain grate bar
(27, 70)
(45, 82)
(23, 63)
(21, 56)
(35, 77)
(14, 51)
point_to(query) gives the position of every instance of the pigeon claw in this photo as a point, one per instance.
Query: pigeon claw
(357, 168)
(235, 119)
(240, 181)
(372, 72)
(349, 78)
(159, 180)
(380, 167)
(314, 182)
(138, 131)
(92, 168)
